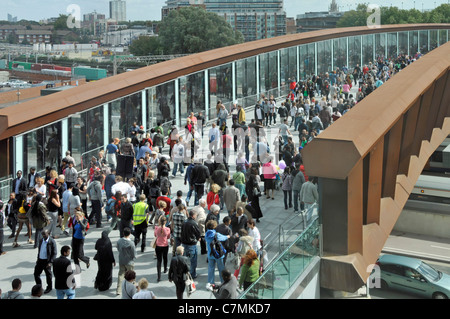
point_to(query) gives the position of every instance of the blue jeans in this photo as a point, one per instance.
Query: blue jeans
(212, 267)
(191, 252)
(241, 188)
(61, 293)
(297, 123)
(189, 194)
(176, 166)
(221, 121)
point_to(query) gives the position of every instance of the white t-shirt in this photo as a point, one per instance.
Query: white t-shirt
(256, 237)
(144, 294)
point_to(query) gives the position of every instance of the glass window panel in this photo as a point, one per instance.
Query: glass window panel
(403, 42)
(115, 119)
(123, 113)
(33, 149)
(323, 57)
(354, 51)
(284, 67)
(192, 94)
(42, 148)
(339, 53)
(161, 105)
(94, 128)
(77, 140)
(52, 146)
(442, 37)
(307, 60)
(86, 136)
(413, 42)
(423, 41)
(392, 45)
(246, 81)
(367, 48)
(220, 87)
(268, 71)
(288, 68)
(380, 45)
(433, 39)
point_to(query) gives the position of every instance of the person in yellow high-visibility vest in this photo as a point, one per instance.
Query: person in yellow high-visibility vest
(140, 221)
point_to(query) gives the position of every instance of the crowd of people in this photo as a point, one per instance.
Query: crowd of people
(65, 203)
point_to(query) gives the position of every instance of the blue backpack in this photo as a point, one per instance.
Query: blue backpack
(110, 206)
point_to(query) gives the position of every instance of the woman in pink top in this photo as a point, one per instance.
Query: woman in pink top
(162, 235)
(270, 173)
(346, 90)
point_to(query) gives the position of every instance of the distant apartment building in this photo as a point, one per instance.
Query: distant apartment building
(96, 23)
(118, 10)
(254, 19)
(34, 36)
(9, 30)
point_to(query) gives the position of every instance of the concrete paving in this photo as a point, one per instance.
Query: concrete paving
(19, 262)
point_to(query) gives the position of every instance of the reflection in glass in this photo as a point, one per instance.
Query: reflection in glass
(442, 37)
(354, 51)
(433, 39)
(323, 57)
(339, 53)
(307, 60)
(246, 81)
(413, 42)
(367, 48)
(161, 104)
(77, 132)
(268, 73)
(220, 87)
(42, 148)
(192, 94)
(123, 113)
(380, 45)
(403, 42)
(423, 41)
(392, 45)
(288, 68)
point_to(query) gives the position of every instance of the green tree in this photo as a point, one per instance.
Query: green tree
(61, 22)
(394, 15)
(354, 18)
(145, 45)
(193, 29)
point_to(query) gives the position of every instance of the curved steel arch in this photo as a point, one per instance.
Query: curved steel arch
(369, 161)
(26, 116)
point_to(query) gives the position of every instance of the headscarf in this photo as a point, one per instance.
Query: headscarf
(104, 247)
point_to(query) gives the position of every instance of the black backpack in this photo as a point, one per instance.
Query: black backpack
(216, 247)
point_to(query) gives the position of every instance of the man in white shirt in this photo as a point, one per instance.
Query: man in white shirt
(178, 153)
(121, 186)
(213, 138)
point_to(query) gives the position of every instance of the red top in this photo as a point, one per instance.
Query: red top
(212, 198)
(165, 199)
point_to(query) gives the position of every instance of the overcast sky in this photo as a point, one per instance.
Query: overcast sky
(151, 9)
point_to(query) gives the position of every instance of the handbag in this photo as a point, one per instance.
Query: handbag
(22, 209)
(233, 261)
(190, 284)
(153, 243)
